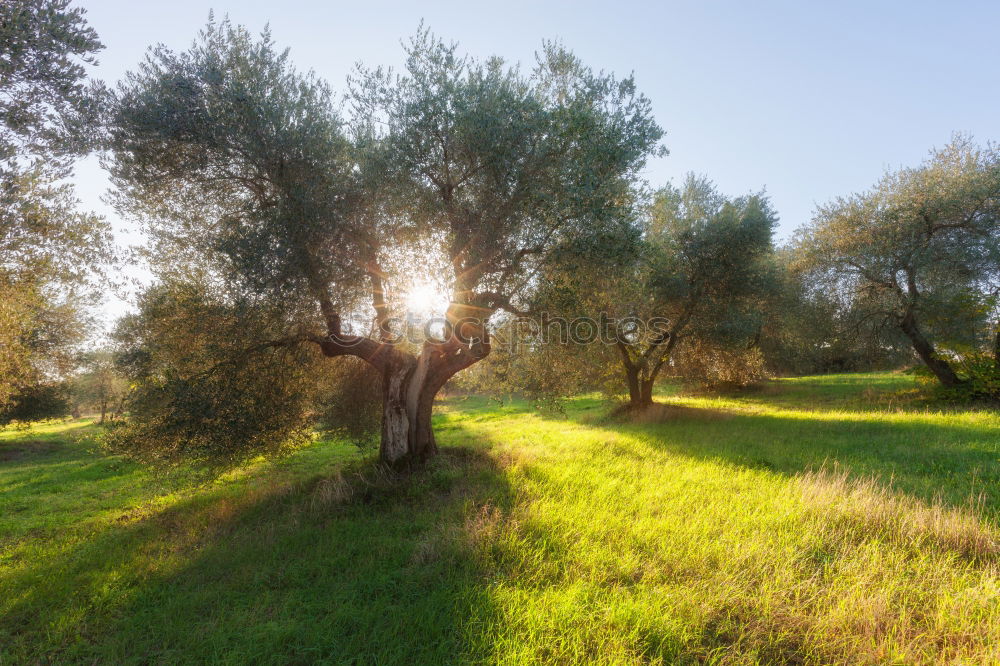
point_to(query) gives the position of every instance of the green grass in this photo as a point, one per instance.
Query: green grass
(818, 520)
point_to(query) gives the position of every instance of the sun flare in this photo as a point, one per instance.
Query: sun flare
(424, 298)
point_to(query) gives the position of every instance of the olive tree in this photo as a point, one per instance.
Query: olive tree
(690, 265)
(919, 252)
(469, 174)
(48, 250)
(704, 273)
(46, 108)
(809, 329)
(99, 384)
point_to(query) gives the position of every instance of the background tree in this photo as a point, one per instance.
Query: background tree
(561, 341)
(463, 173)
(720, 364)
(704, 274)
(919, 252)
(99, 385)
(48, 399)
(38, 344)
(809, 329)
(48, 251)
(693, 267)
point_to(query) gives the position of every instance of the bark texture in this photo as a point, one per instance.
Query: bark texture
(410, 383)
(925, 350)
(643, 367)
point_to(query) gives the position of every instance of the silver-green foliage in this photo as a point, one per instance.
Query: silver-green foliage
(920, 251)
(49, 252)
(473, 173)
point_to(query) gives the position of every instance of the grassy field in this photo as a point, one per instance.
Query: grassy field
(818, 520)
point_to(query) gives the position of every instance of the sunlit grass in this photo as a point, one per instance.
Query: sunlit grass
(696, 538)
(818, 520)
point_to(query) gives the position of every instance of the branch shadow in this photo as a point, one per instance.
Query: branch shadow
(360, 567)
(954, 461)
(356, 567)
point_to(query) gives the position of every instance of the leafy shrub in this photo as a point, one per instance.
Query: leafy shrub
(544, 371)
(980, 374)
(719, 366)
(47, 400)
(211, 378)
(350, 402)
(238, 408)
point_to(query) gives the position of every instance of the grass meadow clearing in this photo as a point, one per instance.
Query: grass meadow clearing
(831, 519)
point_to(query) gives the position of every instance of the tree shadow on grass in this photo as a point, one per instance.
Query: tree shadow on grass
(358, 567)
(836, 422)
(582, 584)
(929, 457)
(355, 567)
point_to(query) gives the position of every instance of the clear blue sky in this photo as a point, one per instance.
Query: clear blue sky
(810, 100)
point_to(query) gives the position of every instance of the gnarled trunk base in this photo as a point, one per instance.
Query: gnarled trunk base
(409, 387)
(407, 402)
(640, 390)
(925, 350)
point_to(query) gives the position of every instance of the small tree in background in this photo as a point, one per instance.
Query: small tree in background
(99, 385)
(695, 268)
(921, 253)
(39, 337)
(705, 275)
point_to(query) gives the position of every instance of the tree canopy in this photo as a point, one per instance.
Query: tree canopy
(46, 109)
(705, 274)
(49, 252)
(919, 252)
(474, 170)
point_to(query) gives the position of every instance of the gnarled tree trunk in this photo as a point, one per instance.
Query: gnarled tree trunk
(642, 369)
(925, 350)
(640, 388)
(409, 388)
(409, 383)
(640, 376)
(395, 440)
